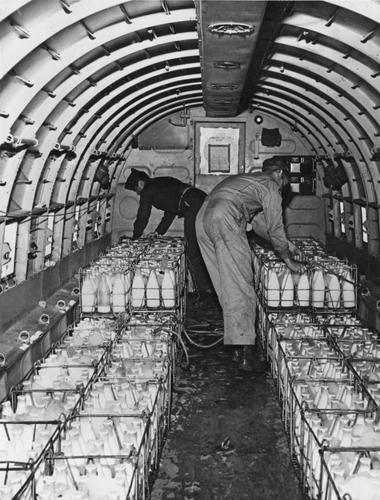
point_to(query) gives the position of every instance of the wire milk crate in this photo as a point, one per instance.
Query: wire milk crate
(306, 359)
(295, 341)
(310, 246)
(23, 441)
(98, 457)
(59, 374)
(116, 397)
(359, 480)
(159, 281)
(155, 350)
(325, 286)
(349, 333)
(328, 283)
(143, 348)
(112, 445)
(334, 285)
(331, 445)
(158, 327)
(105, 291)
(327, 413)
(283, 324)
(155, 287)
(359, 348)
(55, 389)
(92, 332)
(146, 396)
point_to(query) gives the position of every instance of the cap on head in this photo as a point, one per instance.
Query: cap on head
(274, 163)
(134, 177)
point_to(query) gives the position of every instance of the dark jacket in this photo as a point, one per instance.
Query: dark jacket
(164, 193)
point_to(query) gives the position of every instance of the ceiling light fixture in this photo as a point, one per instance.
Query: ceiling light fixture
(226, 65)
(259, 119)
(224, 86)
(240, 29)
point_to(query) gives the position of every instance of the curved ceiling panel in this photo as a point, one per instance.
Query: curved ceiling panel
(74, 67)
(81, 78)
(322, 59)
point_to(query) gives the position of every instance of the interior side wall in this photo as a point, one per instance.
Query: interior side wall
(25, 296)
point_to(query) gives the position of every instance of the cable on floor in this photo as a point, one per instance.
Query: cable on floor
(184, 348)
(201, 346)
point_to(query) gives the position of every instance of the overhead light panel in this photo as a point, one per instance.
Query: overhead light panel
(231, 29)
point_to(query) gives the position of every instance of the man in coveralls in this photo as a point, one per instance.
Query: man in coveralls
(221, 231)
(175, 198)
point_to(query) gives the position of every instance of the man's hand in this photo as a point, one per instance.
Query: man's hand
(295, 252)
(295, 267)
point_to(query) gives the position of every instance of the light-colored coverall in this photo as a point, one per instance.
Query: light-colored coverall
(221, 232)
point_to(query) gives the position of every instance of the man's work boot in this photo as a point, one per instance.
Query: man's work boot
(253, 361)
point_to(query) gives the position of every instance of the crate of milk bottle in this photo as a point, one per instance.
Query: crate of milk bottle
(324, 401)
(162, 326)
(310, 361)
(336, 447)
(98, 457)
(129, 395)
(339, 320)
(350, 473)
(327, 284)
(333, 285)
(307, 360)
(23, 440)
(327, 287)
(155, 286)
(152, 325)
(105, 290)
(302, 337)
(345, 392)
(287, 324)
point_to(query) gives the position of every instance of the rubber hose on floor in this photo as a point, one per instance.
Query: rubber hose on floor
(202, 346)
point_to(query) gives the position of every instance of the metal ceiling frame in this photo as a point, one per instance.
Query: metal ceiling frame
(91, 74)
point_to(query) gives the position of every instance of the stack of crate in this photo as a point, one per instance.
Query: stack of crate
(326, 367)
(102, 395)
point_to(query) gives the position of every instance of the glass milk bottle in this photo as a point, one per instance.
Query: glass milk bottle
(318, 289)
(303, 290)
(118, 293)
(333, 290)
(152, 291)
(88, 293)
(138, 289)
(348, 289)
(287, 289)
(273, 288)
(104, 295)
(168, 288)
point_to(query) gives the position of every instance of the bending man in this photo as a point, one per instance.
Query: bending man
(221, 230)
(175, 198)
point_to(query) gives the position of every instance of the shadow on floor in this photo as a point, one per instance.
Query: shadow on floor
(226, 439)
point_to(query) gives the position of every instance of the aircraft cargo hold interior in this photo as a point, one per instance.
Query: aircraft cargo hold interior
(189, 249)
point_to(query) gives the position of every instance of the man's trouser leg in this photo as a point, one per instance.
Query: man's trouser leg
(197, 267)
(228, 258)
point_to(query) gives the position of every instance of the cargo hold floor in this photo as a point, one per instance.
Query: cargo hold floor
(226, 439)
